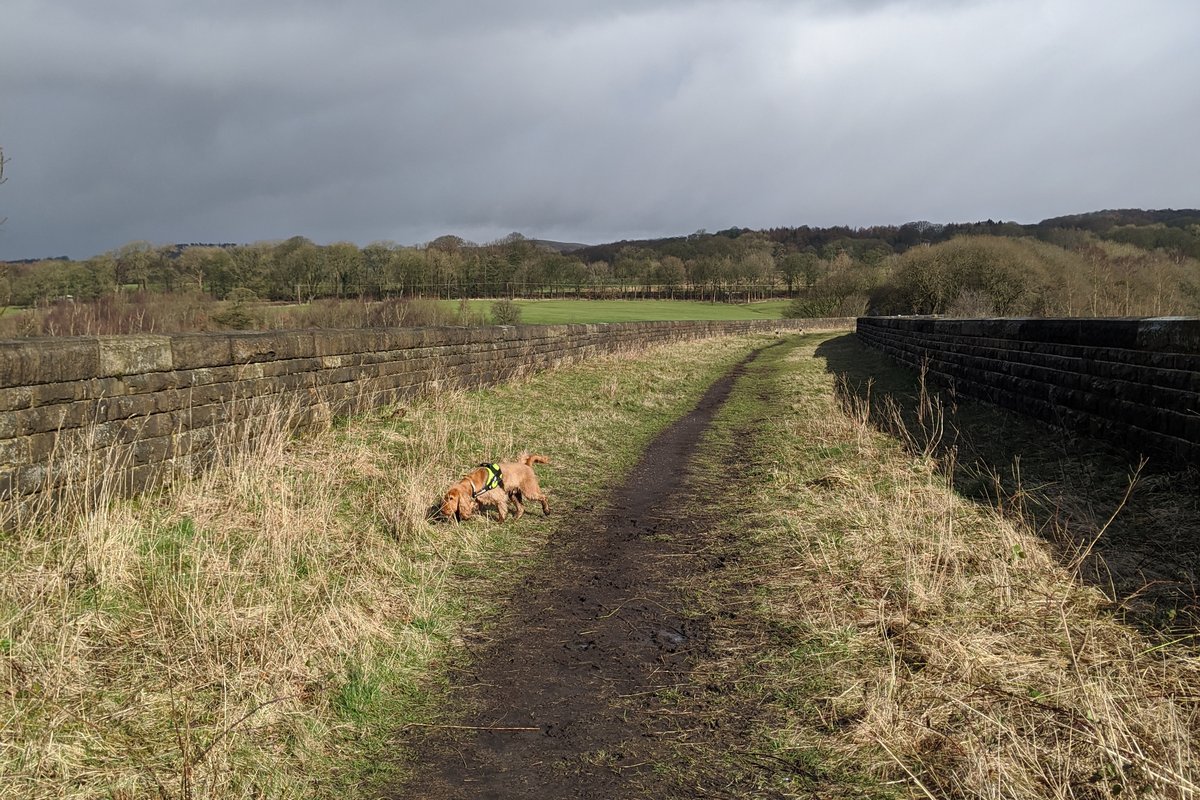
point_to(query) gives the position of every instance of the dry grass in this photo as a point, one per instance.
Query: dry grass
(1139, 544)
(187, 645)
(254, 631)
(941, 646)
(178, 312)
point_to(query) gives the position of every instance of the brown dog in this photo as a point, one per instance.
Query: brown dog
(516, 481)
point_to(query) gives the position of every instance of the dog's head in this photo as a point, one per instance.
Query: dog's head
(457, 503)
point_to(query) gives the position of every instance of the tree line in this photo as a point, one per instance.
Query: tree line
(299, 270)
(1129, 261)
(987, 276)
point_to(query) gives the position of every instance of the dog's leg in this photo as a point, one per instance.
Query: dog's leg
(535, 493)
(539, 498)
(499, 499)
(516, 498)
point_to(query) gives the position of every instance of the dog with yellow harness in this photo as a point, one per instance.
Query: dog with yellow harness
(494, 485)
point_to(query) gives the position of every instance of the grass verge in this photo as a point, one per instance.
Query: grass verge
(905, 641)
(1133, 529)
(553, 312)
(266, 629)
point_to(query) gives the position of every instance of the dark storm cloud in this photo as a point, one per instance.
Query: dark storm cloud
(233, 121)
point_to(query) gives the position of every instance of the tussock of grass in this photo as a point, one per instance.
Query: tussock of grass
(928, 640)
(264, 629)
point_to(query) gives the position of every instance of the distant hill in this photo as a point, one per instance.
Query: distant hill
(1170, 229)
(1174, 229)
(35, 260)
(177, 248)
(1100, 221)
(558, 247)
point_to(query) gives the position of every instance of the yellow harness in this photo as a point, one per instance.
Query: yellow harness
(493, 481)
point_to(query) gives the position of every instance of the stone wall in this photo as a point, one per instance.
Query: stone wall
(146, 406)
(1132, 382)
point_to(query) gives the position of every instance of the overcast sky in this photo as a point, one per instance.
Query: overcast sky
(366, 120)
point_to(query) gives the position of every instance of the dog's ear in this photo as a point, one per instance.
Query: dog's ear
(466, 505)
(450, 502)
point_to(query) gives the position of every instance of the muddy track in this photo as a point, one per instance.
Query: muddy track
(564, 698)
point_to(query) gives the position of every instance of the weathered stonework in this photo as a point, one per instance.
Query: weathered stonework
(1132, 382)
(148, 406)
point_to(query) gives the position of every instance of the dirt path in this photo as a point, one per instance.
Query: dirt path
(566, 699)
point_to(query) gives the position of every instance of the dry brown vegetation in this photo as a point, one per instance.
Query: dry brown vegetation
(145, 312)
(985, 276)
(988, 276)
(262, 630)
(932, 642)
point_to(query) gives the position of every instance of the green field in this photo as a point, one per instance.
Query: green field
(549, 312)
(151, 313)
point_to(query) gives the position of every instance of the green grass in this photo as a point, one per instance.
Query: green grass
(269, 629)
(906, 641)
(772, 665)
(553, 312)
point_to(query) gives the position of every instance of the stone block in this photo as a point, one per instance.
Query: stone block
(346, 342)
(130, 355)
(116, 408)
(149, 382)
(209, 375)
(190, 351)
(1175, 334)
(44, 419)
(37, 361)
(16, 397)
(33, 449)
(287, 366)
(250, 348)
(399, 339)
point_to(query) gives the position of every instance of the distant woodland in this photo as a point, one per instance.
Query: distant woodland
(1110, 263)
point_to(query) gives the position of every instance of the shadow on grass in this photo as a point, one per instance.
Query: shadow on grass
(1071, 489)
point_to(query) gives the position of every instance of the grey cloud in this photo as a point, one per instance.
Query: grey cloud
(174, 121)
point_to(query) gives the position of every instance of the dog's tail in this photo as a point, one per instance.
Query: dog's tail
(526, 458)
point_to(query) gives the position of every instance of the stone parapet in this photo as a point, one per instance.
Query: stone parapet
(146, 407)
(1134, 383)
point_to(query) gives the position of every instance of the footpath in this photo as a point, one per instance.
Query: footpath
(572, 696)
